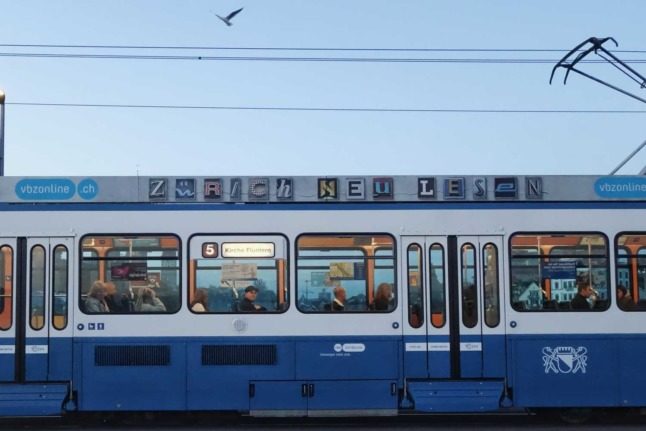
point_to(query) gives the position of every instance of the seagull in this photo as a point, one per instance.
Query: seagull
(227, 19)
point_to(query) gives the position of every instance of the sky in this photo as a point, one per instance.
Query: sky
(101, 141)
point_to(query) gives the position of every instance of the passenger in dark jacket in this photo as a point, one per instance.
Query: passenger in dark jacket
(584, 299)
(247, 302)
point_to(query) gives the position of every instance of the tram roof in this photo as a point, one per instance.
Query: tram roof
(310, 189)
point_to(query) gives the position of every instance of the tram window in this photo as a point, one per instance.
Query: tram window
(438, 289)
(469, 293)
(141, 273)
(59, 287)
(415, 282)
(491, 285)
(6, 287)
(37, 288)
(547, 268)
(220, 281)
(360, 267)
(631, 270)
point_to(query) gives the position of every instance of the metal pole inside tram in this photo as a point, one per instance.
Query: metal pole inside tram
(1, 133)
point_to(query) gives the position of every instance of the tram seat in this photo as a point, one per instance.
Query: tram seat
(220, 300)
(565, 305)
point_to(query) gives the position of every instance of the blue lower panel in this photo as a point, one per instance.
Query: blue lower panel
(456, 395)
(353, 395)
(493, 356)
(36, 359)
(130, 386)
(60, 359)
(32, 399)
(226, 387)
(347, 358)
(558, 371)
(7, 359)
(630, 365)
(278, 396)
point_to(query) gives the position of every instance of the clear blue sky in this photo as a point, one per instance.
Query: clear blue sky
(66, 141)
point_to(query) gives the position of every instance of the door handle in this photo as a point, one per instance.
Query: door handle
(310, 390)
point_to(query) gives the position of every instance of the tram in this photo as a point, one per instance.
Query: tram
(315, 296)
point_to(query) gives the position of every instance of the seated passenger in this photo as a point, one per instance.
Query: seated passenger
(383, 297)
(247, 303)
(117, 303)
(624, 300)
(585, 298)
(200, 302)
(95, 301)
(338, 304)
(148, 302)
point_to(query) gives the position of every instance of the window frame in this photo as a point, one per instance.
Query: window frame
(53, 287)
(31, 286)
(627, 256)
(105, 258)
(394, 258)
(420, 277)
(11, 295)
(235, 237)
(540, 256)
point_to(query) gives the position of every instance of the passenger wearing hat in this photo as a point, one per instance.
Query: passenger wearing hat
(247, 302)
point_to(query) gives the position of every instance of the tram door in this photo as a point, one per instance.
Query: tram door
(7, 304)
(44, 333)
(457, 282)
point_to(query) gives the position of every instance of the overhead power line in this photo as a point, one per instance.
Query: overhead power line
(303, 49)
(328, 109)
(294, 59)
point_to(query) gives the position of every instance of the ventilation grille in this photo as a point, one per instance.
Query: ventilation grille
(248, 354)
(128, 356)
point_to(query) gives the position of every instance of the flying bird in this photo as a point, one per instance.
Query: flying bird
(227, 19)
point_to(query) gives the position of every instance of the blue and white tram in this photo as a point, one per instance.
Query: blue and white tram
(457, 294)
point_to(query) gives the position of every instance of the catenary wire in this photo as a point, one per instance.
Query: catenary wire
(297, 59)
(304, 49)
(329, 109)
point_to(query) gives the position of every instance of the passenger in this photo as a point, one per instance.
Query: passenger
(338, 304)
(415, 317)
(117, 303)
(148, 302)
(585, 298)
(383, 297)
(624, 300)
(247, 303)
(152, 282)
(201, 301)
(95, 301)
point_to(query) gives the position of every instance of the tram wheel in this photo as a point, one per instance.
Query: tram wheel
(575, 416)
